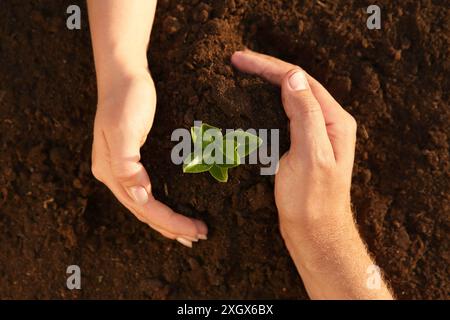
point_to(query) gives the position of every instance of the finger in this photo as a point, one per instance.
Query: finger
(341, 126)
(184, 240)
(126, 168)
(130, 173)
(308, 126)
(309, 136)
(164, 217)
(121, 195)
(267, 67)
(102, 171)
(153, 212)
(274, 70)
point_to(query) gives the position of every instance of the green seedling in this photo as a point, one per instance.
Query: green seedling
(216, 153)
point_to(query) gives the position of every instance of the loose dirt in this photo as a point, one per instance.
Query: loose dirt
(53, 214)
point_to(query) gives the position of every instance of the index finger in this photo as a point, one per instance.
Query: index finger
(274, 70)
(340, 125)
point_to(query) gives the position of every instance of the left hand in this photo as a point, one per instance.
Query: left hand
(312, 185)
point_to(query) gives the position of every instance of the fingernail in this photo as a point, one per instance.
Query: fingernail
(184, 242)
(237, 54)
(297, 81)
(138, 194)
(202, 236)
(190, 238)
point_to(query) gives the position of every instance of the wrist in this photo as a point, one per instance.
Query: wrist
(314, 241)
(114, 73)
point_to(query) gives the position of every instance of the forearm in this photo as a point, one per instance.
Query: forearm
(336, 265)
(120, 36)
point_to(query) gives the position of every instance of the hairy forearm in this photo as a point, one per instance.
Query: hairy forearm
(120, 36)
(336, 265)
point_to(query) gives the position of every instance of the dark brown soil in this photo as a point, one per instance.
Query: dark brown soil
(53, 214)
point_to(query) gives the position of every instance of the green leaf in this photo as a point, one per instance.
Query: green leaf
(210, 134)
(229, 162)
(234, 146)
(195, 164)
(195, 133)
(219, 173)
(246, 143)
(206, 127)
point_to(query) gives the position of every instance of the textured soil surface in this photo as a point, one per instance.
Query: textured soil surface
(53, 213)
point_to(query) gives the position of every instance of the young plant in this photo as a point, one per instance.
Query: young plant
(216, 153)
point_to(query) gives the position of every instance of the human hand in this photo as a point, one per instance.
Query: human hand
(125, 112)
(312, 185)
(126, 107)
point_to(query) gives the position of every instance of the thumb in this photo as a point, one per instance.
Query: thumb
(307, 124)
(126, 167)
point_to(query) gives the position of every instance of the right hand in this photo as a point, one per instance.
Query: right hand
(125, 112)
